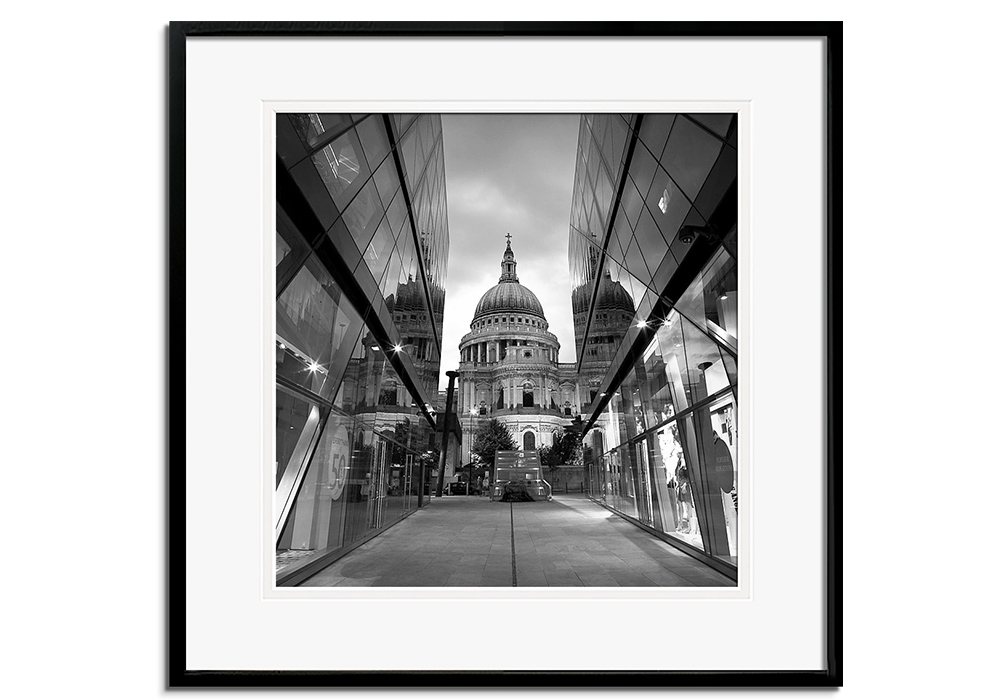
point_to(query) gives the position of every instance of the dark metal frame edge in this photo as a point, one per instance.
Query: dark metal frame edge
(178, 676)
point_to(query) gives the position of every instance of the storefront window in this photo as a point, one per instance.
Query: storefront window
(316, 522)
(711, 301)
(297, 421)
(716, 469)
(672, 461)
(673, 475)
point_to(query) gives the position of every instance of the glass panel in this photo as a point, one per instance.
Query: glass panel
(317, 329)
(689, 156)
(390, 281)
(706, 373)
(654, 131)
(363, 215)
(604, 195)
(668, 206)
(643, 482)
(618, 139)
(396, 213)
(317, 520)
(290, 248)
(642, 170)
(373, 139)
(636, 266)
(711, 300)
(387, 182)
(719, 123)
(713, 429)
(730, 362)
(651, 243)
(674, 486)
(312, 127)
(660, 405)
(342, 167)
(628, 495)
(404, 122)
(631, 203)
(296, 424)
(376, 255)
(670, 341)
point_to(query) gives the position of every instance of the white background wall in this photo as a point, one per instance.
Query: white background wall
(84, 209)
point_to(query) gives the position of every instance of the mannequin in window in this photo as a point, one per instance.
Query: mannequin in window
(688, 520)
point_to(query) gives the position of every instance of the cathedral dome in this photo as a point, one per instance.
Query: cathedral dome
(509, 294)
(612, 296)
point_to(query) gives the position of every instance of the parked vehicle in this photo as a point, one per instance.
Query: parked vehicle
(461, 488)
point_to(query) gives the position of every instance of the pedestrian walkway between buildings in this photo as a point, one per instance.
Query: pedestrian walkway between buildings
(470, 541)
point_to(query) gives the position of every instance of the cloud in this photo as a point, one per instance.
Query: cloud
(508, 173)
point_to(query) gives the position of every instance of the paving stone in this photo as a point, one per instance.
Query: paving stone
(463, 541)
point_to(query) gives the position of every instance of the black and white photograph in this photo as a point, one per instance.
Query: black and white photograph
(506, 350)
(411, 353)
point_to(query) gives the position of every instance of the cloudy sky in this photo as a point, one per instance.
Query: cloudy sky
(508, 173)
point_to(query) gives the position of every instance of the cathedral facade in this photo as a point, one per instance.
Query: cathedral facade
(509, 365)
(509, 361)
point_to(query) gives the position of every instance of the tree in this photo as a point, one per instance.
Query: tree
(548, 456)
(571, 446)
(490, 437)
(565, 449)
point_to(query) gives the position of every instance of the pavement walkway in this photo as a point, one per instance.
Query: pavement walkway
(470, 541)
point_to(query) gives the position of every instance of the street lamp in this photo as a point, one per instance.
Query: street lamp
(469, 458)
(472, 413)
(452, 375)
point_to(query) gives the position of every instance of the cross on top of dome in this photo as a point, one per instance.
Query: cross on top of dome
(508, 268)
(508, 294)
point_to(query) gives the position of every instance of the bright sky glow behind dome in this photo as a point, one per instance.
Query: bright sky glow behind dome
(508, 173)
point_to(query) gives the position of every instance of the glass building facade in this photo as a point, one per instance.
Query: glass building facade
(361, 265)
(653, 253)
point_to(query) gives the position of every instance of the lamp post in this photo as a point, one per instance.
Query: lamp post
(472, 418)
(452, 375)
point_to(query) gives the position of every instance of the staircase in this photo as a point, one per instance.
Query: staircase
(523, 468)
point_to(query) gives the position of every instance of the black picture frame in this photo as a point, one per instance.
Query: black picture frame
(180, 677)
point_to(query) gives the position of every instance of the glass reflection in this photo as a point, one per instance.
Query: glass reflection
(689, 155)
(342, 167)
(337, 481)
(316, 330)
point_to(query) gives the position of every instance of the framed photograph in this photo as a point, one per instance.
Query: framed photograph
(505, 354)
